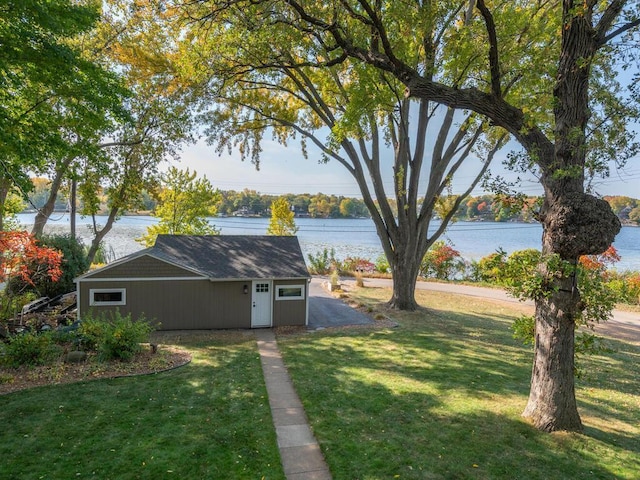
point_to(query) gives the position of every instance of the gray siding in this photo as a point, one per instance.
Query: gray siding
(143, 267)
(179, 304)
(290, 312)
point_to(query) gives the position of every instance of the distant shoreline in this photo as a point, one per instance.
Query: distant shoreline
(351, 237)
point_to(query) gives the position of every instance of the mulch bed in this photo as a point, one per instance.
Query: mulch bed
(165, 358)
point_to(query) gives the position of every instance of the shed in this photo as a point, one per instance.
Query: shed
(189, 282)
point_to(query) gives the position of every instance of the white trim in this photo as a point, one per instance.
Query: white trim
(138, 279)
(93, 303)
(306, 306)
(154, 279)
(285, 297)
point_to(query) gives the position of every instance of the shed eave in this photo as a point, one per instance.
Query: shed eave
(256, 279)
(139, 279)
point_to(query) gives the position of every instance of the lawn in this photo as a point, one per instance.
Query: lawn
(209, 419)
(440, 396)
(437, 397)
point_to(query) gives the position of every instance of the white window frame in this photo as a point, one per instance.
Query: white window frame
(286, 297)
(94, 303)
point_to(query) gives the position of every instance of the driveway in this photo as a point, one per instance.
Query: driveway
(327, 311)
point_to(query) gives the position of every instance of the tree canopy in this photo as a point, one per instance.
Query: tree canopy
(51, 95)
(542, 71)
(184, 203)
(282, 221)
(264, 76)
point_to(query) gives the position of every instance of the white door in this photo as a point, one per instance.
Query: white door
(261, 304)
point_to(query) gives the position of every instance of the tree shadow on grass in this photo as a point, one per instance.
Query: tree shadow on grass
(398, 401)
(370, 427)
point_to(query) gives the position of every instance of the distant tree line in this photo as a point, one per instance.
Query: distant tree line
(246, 202)
(488, 207)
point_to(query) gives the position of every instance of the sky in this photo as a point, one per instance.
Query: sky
(284, 170)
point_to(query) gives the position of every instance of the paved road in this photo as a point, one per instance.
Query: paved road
(623, 324)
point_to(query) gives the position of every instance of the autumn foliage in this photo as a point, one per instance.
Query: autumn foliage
(601, 261)
(23, 258)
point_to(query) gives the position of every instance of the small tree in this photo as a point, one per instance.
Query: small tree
(184, 204)
(282, 222)
(23, 261)
(74, 263)
(441, 261)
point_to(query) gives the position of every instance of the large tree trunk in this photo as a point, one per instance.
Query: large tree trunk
(552, 402)
(404, 268)
(574, 224)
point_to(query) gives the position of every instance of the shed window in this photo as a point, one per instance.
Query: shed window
(104, 296)
(290, 292)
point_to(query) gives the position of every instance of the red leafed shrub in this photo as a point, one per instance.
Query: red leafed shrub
(441, 261)
(357, 264)
(601, 261)
(23, 258)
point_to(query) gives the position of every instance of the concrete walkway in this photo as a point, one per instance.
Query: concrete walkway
(299, 451)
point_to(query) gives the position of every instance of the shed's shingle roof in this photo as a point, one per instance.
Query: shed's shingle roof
(234, 256)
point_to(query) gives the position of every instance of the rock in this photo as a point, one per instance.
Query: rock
(76, 356)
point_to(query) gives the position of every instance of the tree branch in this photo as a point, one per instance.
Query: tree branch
(494, 61)
(606, 20)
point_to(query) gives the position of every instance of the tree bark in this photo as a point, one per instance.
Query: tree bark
(5, 186)
(552, 403)
(404, 286)
(574, 224)
(43, 214)
(100, 234)
(73, 207)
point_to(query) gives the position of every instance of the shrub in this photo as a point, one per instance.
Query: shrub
(441, 261)
(490, 268)
(323, 262)
(11, 305)
(116, 338)
(524, 329)
(357, 264)
(30, 349)
(91, 332)
(74, 263)
(382, 264)
(626, 287)
(520, 274)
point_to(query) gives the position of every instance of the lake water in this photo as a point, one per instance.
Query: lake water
(351, 237)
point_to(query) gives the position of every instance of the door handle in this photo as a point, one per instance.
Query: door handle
(254, 304)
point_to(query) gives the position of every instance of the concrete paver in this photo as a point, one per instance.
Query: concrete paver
(300, 453)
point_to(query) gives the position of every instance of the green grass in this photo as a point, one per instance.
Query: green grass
(440, 397)
(209, 419)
